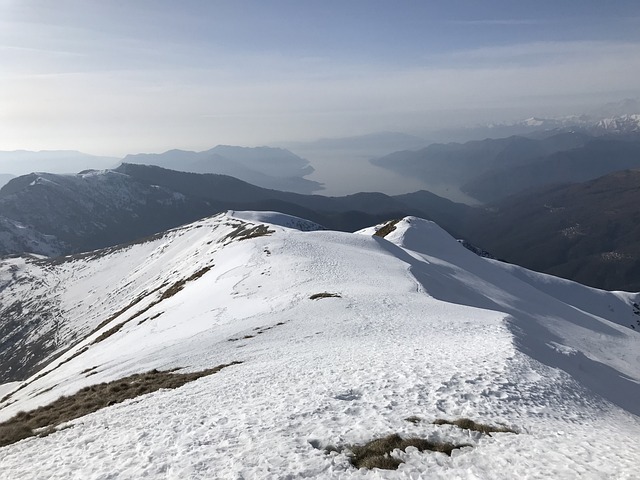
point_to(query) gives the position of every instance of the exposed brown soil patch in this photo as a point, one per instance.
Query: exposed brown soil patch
(387, 228)
(316, 296)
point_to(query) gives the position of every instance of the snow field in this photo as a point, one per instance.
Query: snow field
(333, 371)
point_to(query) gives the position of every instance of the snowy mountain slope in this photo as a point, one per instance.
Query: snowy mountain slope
(55, 303)
(616, 120)
(93, 209)
(621, 124)
(422, 327)
(585, 334)
(596, 125)
(276, 218)
(16, 237)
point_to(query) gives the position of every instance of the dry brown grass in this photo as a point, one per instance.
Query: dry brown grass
(93, 398)
(468, 424)
(316, 296)
(387, 228)
(257, 330)
(179, 285)
(377, 453)
(14, 433)
(244, 232)
(259, 231)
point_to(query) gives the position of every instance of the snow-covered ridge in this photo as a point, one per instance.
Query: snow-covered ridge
(420, 327)
(621, 124)
(15, 235)
(276, 218)
(624, 123)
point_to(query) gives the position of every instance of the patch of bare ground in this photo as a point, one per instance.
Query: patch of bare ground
(258, 330)
(468, 424)
(153, 317)
(179, 285)
(413, 419)
(243, 232)
(316, 296)
(377, 453)
(93, 398)
(387, 228)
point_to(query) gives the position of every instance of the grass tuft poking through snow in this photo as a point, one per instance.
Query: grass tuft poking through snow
(377, 453)
(413, 419)
(93, 398)
(246, 231)
(316, 296)
(468, 424)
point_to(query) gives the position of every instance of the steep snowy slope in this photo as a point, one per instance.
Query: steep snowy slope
(417, 328)
(48, 305)
(16, 238)
(582, 330)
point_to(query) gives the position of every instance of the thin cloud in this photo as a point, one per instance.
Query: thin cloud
(19, 49)
(503, 21)
(539, 52)
(140, 87)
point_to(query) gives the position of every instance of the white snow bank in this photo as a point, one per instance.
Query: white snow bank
(592, 322)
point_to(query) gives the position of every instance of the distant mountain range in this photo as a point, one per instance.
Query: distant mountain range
(589, 161)
(590, 238)
(372, 144)
(613, 118)
(621, 124)
(492, 169)
(588, 232)
(22, 162)
(267, 167)
(97, 209)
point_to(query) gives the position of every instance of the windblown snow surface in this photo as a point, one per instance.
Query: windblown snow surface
(422, 327)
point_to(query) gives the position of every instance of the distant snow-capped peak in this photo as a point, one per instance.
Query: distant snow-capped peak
(621, 124)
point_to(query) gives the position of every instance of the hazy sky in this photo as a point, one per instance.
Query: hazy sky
(112, 77)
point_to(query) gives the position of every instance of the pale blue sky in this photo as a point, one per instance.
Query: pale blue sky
(112, 77)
